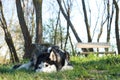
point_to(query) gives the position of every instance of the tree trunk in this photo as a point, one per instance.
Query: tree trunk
(56, 27)
(68, 10)
(8, 37)
(86, 21)
(38, 8)
(117, 26)
(87, 24)
(109, 21)
(101, 31)
(26, 35)
(70, 23)
(73, 51)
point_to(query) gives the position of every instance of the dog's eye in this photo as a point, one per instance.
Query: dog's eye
(46, 65)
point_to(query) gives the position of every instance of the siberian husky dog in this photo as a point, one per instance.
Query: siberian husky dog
(47, 59)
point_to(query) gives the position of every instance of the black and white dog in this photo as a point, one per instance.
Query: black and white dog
(47, 59)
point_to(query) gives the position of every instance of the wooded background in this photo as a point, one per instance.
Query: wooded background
(23, 22)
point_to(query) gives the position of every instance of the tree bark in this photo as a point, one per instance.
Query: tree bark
(38, 9)
(56, 27)
(68, 14)
(117, 26)
(8, 37)
(109, 21)
(26, 35)
(87, 24)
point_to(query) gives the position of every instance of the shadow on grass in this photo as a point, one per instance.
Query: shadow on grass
(8, 69)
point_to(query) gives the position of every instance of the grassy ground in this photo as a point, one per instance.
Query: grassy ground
(90, 68)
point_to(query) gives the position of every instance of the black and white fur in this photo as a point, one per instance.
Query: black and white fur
(51, 60)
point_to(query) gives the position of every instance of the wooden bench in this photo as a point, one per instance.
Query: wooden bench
(95, 45)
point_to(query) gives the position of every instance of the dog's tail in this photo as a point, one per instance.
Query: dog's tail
(23, 66)
(16, 66)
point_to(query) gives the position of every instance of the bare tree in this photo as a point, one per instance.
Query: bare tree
(86, 22)
(117, 26)
(70, 23)
(103, 21)
(68, 7)
(57, 24)
(26, 35)
(68, 10)
(38, 9)
(109, 19)
(8, 37)
(29, 13)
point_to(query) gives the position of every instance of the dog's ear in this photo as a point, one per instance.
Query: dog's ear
(53, 56)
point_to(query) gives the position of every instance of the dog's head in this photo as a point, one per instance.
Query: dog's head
(46, 62)
(52, 62)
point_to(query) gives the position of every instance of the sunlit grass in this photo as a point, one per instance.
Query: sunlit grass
(91, 67)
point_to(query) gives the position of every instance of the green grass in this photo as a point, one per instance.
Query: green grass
(90, 68)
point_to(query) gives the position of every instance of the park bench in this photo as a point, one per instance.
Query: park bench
(95, 45)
